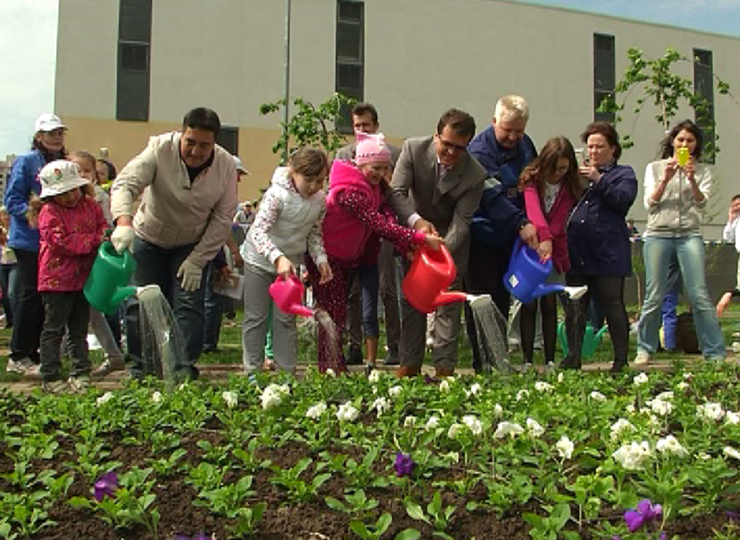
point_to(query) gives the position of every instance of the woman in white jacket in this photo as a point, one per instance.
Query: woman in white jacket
(676, 189)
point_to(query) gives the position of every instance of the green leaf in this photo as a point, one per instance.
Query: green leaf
(408, 534)
(383, 523)
(415, 512)
(359, 528)
(335, 504)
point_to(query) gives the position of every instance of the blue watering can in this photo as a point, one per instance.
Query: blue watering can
(527, 274)
(591, 339)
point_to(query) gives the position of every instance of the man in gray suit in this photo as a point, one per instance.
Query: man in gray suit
(437, 187)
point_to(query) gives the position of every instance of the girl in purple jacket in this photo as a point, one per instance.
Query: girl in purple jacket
(551, 187)
(354, 209)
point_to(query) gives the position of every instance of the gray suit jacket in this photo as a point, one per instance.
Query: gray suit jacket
(448, 204)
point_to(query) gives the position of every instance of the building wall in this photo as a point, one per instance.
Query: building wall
(421, 57)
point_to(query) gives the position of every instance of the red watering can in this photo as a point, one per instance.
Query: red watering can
(287, 294)
(425, 284)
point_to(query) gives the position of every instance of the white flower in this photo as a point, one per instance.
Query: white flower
(409, 421)
(230, 398)
(534, 428)
(669, 445)
(395, 391)
(565, 447)
(182, 386)
(560, 377)
(157, 397)
(381, 405)
(498, 411)
(273, 395)
(521, 394)
(665, 396)
(316, 411)
(542, 386)
(703, 456)
(597, 396)
(455, 430)
(660, 407)
(729, 451)
(630, 408)
(347, 412)
(432, 423)
(474, 390)
(508, 428)
(683, 385)
(710, 411)
(640, 379)
(444, 386)
(330, 373)
(633, 456)
(732, 418)
(105, 398)
(374, 376)
(619, 427)
(688, 376)
(474, 425)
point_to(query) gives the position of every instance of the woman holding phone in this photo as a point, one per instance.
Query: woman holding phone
(677, 187)
(599, 243)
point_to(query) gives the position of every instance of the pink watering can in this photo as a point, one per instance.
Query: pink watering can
(526, 276)
(425, 284)
(288, 296)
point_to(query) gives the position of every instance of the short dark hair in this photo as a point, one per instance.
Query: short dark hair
(735, 197)
(666, 145)
(606, 130)
(202, 118)
(459, 121)
(364, 108)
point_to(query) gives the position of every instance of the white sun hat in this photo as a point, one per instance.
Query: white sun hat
(240, 166)
(49, 122)
(59, 177)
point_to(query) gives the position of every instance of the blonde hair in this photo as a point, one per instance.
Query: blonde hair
(511, 107)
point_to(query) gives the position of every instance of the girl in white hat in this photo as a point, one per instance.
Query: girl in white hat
(71, 227)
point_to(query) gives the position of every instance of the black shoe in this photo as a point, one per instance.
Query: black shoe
(570, 364)
(354, 358)
(619, 367)
(392, 358)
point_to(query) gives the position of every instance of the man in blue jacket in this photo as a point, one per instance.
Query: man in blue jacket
(504, 150)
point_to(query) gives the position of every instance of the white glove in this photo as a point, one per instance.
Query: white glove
(191, 275)
(122, 237)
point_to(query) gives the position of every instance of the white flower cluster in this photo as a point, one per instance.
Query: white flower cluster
(273, 395)
(432, 423)
(521, 394)
(105, 398)
(409, 421)
(640, 379)
(710, 411)
(395, 391)
(732, 418)
(380, 405)
(474, 425)
(534, 428)
(374, 376)
(670, 445)
(498, 411)
(347, 412)
(597, 396)
(475, 389)
(619, 427)
(444, 386)
(316, 411)
(511, 429)
(230, 398)
(729, 451)
(542, 386)
(662, 404)
(565, 447)
(157, 396)
(633, 456)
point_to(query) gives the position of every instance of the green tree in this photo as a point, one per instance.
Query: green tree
(309, 124)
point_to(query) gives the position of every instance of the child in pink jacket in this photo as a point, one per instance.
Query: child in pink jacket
(71, 225)
(550, 185)
(355, 209)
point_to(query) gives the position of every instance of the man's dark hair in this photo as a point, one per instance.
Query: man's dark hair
(202, 118)
(364, 108)
(459, 121)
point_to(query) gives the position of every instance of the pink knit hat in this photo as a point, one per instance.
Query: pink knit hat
(371, 148)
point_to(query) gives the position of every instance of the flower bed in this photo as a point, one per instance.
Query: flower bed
(561, 455)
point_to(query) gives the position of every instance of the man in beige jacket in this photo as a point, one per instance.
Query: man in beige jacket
(187, 185)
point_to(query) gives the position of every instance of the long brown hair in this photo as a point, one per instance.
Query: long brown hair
(547, 163)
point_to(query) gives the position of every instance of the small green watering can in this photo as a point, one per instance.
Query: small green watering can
(108, 284)
(591, 339)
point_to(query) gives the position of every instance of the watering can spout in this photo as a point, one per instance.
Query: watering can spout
(287, 293)
(600, 333)
(448, 297)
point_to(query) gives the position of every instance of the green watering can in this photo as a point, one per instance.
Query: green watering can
(108, 284)
(591, 339)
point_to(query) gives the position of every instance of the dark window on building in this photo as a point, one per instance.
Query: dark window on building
(228, 138)
(350, 55)
(133, 73)
(604, 73)
(704, 87)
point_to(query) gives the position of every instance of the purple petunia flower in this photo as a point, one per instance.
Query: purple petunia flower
(645, 513)
(106, 486)
(404, 465)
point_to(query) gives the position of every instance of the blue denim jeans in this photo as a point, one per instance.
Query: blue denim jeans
(657, 253)
(159, 266)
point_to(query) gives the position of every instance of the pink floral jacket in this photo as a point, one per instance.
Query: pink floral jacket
(69, 241)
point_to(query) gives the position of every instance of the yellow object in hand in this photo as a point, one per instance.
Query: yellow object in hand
(682, 156)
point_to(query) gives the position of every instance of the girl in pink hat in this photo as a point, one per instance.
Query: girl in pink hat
(355, 210)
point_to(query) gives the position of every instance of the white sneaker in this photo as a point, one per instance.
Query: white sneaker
(642, 357)
(19, 366)
(79, 385)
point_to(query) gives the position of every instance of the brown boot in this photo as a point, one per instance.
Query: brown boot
(407, 371)
(440, 373)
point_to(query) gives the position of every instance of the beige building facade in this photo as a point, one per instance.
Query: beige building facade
(149, 61)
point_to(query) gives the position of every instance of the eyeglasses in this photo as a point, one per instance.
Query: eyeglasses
(450, 146)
